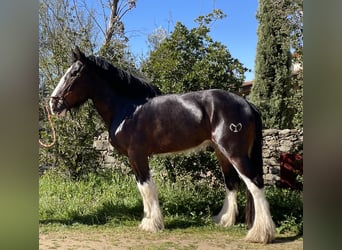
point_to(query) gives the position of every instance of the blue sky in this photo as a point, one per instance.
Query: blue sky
(237, 31)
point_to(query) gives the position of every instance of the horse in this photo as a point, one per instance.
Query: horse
(143, 122)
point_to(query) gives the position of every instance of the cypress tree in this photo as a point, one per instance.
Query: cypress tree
(271, 91)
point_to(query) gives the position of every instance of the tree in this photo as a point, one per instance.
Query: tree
(272, 88)
(114, 46)
(190, 60)
(156, 38)
(62, 25)
(296, 36)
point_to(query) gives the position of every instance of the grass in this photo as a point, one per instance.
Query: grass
(110, 203)
(115, 199)
(93, 200)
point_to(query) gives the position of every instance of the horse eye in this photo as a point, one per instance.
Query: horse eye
(74, 72)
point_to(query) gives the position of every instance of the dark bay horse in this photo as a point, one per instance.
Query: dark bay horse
(141, 122)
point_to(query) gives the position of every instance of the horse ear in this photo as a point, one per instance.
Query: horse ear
(77, 54)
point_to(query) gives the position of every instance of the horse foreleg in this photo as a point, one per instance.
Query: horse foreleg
(153, 219)
(229, 211)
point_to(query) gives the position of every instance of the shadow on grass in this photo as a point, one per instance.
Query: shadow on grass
(183, 223)
(107, 213)
(285, 239)
(122, 214)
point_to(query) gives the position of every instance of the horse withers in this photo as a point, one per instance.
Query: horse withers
(142, 122)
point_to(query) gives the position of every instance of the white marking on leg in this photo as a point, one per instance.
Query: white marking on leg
(263, 229)
(153, 219)
(229, 211)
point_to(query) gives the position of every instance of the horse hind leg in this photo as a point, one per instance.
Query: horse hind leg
(263, 228)
(227, 215)
(153, 219)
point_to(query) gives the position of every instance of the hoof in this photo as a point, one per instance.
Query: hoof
(225, 220)
(150, 225)
(261, 234)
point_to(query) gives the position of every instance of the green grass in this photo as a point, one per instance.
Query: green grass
(112, 199)
(92, 200)
(115, 199)
(104, 211)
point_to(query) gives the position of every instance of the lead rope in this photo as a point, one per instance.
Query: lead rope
(53, 130)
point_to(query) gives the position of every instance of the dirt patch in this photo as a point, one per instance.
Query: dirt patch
(135, 239)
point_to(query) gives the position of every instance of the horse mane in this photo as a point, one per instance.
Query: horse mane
(123, 82)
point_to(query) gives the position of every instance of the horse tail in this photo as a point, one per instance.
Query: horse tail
(257, 163)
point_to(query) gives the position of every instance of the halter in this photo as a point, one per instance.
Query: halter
(62, 97)
(58, 98)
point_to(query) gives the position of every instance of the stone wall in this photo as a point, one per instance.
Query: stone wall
(102, 144)
(275, 142)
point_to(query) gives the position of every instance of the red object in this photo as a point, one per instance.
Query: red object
(291, 165)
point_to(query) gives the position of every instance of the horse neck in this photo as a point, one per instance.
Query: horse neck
(113, 108)
(103, 100)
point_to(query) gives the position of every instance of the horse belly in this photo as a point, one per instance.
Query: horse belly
(189, 149)
(179, 136)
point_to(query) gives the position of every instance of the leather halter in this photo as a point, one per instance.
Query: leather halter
(62, 97)
(65, 103)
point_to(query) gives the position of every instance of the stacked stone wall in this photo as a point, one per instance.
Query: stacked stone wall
(275, 142)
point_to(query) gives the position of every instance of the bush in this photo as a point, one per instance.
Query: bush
(286, 208)
(73, 152)
(196, 166)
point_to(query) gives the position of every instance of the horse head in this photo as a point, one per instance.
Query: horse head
(73, 88)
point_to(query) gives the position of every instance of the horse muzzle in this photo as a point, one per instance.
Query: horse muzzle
(58, 106)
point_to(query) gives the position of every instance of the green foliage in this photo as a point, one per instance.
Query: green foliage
(295, 19)
(190, 60)
(194, 166)
(286, 208)
(272, 88)
(118, 54)
(63, 25)
(297, 100)
(73, 152)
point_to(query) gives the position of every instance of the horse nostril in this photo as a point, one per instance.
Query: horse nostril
(57, 105)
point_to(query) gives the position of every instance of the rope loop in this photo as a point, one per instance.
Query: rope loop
(53, 130)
